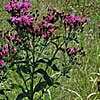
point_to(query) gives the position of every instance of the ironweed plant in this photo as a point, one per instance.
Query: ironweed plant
(40, 52)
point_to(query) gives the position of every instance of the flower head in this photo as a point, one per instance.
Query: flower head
(44, 36)
(15, 7)
(2, 63)
(26, 20)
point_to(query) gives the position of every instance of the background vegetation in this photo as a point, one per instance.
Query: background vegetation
(83, 82)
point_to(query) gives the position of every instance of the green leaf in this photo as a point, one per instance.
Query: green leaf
(40, 86)
(45, 76)
(14, 86)
(26, 70)
(21, 96)
(48, 79)
(57, 83)
(19, 71)
(54, 67)
(2, 92)
(67, 76)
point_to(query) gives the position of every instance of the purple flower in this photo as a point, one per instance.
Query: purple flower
(12, 37)
(22, 7)
(45, 24)
(26, 4)
(52, 10)
(72, 51)
(78, 20)
(8, 8)
(23, 20)
(2, 63)
(6, 45)
(86, 19)
(13, 50)
(24, 10)
(72, 19)
(16, 20)
(52, 16)
(45, 36)
(5, 52)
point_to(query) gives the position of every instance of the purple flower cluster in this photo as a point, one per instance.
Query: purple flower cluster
(86, 19)
(21, 17)
(72, 20)
(52, 16)
(12, 37)
(69, 20)
(44, 29)
(73, 51)
(23, 20)
(16, 39)
(2, 63)
(18, 7)
(4, 52)
(27, 20)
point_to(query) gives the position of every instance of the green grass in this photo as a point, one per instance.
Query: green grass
(83, 82)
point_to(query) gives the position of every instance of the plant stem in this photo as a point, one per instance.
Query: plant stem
(33, 67)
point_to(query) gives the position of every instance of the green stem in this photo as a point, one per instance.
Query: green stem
(41, 51)
(33, 68)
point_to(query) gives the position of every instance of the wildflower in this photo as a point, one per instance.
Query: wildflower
(86, 19)
(2, 63)
(4, 52)
(52, 10)
(8, 8)
(22, 7)
(37, 31)
(44, 36)
(45, 27)
(72, 51)
(12, 37)
(52, 16)
(72, 19)
(27, 20)
(6, 45)
(13, 50)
